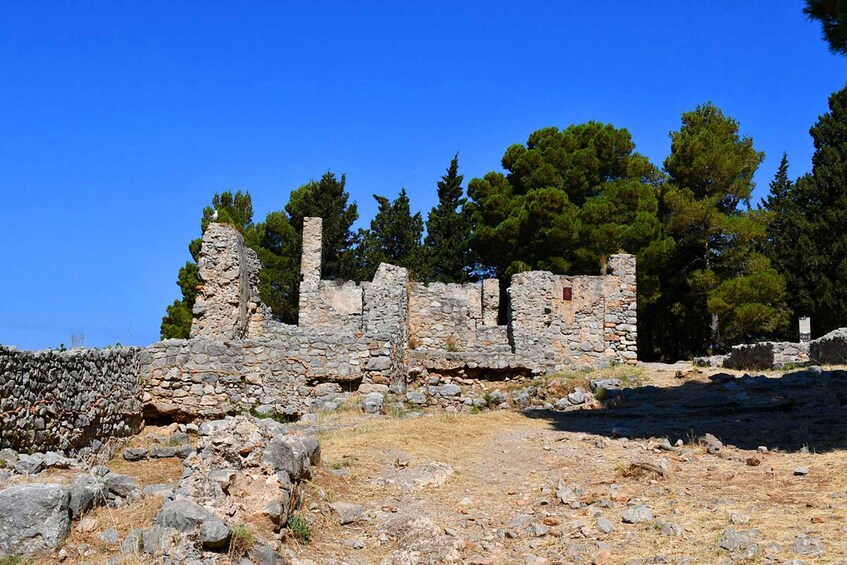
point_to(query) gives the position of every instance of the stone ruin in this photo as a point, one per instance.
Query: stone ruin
(829, 349)
(388, 332)
(554, 322)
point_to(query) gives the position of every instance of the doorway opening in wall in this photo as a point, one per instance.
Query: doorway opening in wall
(503, 305)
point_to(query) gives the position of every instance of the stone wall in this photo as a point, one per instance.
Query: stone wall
(575, 321)
(228, 304)
(766, 355)
(456, 317)
(68, 401)
(830, 349)
(376, 333)
(207, 378)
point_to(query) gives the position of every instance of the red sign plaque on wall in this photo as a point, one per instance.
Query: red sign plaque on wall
(567, 293)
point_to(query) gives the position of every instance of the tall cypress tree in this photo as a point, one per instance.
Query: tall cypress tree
(447, 252)
(819, 272)
(778, 204)
(394, 237)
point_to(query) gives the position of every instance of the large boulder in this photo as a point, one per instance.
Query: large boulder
(186, 516)
(292, 455)
(33, 517)
(86, 492)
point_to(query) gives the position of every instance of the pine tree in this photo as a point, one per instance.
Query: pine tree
(327, 199)
(571, 197)
(832, 14)
(447, 253)
(717, 288)
(394, 237)
(276, 243)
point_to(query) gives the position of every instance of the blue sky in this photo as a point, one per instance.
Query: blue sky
(120, 120)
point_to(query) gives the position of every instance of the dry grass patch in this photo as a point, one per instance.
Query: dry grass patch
(149, 471)
(138, 515)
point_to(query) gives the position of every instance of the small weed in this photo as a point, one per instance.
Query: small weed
(601, 394)
(300, 528)
(242, 541)
(475, 410)
(13, 560)
(397, 410)
(343, 462)
(451, 345)
(2, 463)
(414, 342)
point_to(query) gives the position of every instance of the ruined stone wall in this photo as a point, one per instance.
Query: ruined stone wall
(621, 317)
(575, 321)
(228, 305)
(766, 355)
(68, 401)
(456, 317)
(206, 378)
(830, 349)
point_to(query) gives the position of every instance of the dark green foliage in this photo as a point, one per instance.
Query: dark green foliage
(394, 237)
(809, 225)
(716, 287)
(327, 199)
(832, 14)
(571, 198)
(277, 245)
(176, 324)
(447, 255)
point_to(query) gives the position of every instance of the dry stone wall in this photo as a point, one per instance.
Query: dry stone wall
(766, 355)
(575, 321)
(830, 349)
(456, 317)
(206, 378)
(68, 401)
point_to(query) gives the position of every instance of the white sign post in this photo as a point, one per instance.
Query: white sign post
(805, 329)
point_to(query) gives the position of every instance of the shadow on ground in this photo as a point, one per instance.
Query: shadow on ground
(803, 408)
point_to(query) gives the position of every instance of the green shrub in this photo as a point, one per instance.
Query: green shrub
(242, 541)
(300, 528)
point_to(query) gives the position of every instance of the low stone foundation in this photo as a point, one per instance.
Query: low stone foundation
(767, 355)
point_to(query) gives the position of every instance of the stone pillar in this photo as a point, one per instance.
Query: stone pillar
(227, 270)
(490, 301)
(621, 309)
(310, 263)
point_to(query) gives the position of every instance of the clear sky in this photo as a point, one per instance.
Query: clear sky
(119, 120)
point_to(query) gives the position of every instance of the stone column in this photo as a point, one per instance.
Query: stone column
(310, 263)
(220, 310)
(621, 313)
(490, 301)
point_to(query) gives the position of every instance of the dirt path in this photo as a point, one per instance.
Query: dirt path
(503, 501)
